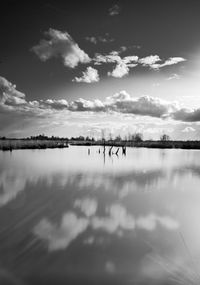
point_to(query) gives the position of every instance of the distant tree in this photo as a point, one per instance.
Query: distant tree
(110, 136)
(102, 134)
(138, 137)
(118, 138)
(164, 138)
(80, 138)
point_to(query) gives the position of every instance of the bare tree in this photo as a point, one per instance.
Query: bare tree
(164, 138)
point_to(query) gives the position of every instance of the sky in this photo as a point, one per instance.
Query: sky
(70, 68)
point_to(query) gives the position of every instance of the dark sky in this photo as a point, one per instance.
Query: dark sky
(165, 28)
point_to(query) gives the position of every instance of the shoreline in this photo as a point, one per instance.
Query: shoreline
(12, 144)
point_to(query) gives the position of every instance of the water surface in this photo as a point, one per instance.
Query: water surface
(69, 217)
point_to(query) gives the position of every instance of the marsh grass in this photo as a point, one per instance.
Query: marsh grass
(11, 144)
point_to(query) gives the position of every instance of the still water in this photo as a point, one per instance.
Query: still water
(69, 217)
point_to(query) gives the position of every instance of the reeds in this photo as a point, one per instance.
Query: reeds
(11, 144)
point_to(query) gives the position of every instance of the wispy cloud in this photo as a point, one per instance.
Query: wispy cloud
(102, 39)
(114, 10)
(188, 129)
(152, 61)
(89, 76)
(168, 62)
(123, 64)
(60, 44)
(173, 76)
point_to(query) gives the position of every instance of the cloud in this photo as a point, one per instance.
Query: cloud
(123, 65)
(9, 95)
(91, 39)
(188, 129)
(149, 60)
(12, 100)
(87, 205)
(89, 76)
(114, 10)
(187, 115)
(152, 61)
(145, 105)
(150, 222)
(59, 237)
(119, 71)
(102, 39)
(58, 104)
(118, 218)
(168, 62)
(122, 102)
(173, 76)
(110, 267)
(60, 44)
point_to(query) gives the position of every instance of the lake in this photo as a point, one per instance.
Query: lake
(73, 216)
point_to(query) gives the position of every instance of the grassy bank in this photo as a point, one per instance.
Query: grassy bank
(11, 144)
(147, 144)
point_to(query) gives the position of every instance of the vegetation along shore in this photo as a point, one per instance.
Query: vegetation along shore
(43, 142)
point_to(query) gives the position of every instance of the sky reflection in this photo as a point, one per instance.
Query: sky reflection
(133, 219)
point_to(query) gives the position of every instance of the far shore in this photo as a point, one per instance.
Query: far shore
(12, 144)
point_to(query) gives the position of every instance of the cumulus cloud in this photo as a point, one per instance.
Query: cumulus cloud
(87, 205)
(122, 66)
(122, 102)
(60, 44)
(87, 105)
(13, 100)
(149, 60)
(59, 237)
(58, 104)
(144, 105)
(187, 115)
(114, 10)
(119, 71)
(89, 76)
(9, 95)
